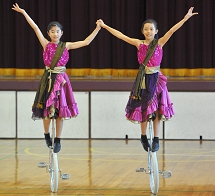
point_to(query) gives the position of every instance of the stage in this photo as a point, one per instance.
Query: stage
(174, 84)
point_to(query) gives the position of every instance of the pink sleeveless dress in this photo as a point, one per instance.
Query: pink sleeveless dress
(61, 97)
(160, 100)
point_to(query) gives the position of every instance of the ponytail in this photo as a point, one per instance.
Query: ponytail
(156, 36)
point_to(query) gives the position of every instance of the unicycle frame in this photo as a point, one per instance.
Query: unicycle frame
(52, 166)
(152, 169)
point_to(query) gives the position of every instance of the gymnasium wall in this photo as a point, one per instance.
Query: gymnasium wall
(102, 116)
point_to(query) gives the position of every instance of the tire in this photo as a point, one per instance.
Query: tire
(154, 172)
(54, 172)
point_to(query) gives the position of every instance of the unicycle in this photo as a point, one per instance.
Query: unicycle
(153, 170)
(52, 166)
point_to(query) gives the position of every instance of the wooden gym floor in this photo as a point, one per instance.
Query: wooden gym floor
(107, 167)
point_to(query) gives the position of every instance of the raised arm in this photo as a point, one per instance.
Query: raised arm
(86, 42)
(169, 33)
(118, 34)
(42, 39)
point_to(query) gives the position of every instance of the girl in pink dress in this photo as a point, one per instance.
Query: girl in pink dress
(153, 97)
(58, 102)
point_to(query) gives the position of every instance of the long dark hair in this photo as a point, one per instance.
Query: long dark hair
(152, 21)
(54, 23)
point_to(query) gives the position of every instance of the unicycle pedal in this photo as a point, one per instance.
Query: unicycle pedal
(166, 174)
(141, 170)
(65, 176)
(41, 164)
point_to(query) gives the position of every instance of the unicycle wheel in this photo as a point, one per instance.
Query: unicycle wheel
(53, 170)
(153, 173)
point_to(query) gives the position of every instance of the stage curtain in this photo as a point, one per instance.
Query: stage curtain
(190, 51)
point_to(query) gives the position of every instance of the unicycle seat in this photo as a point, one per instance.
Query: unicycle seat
(151, 117)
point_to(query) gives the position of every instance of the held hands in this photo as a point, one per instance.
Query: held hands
(17, 8)
(100, 23)
(98, 26)
(190, 13)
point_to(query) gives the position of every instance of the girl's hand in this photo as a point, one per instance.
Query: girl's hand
(190, 13)
(98, 26)
(17, 8)
(100, 22)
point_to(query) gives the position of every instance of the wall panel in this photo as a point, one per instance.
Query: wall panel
(8, 114)
(108, 116)
(194, 116)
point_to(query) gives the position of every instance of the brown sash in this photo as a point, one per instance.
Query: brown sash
(58, 54)
(44, 90)
(141, 73)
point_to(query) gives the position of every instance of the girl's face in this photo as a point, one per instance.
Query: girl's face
(149, 31)
(55, 34)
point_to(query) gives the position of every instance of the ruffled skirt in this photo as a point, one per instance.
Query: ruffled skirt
(61, 101)
(160, 100)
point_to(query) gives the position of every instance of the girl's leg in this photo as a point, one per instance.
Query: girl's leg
(144, 140)
(143, 127)
(156, 126)
(46, 123)
(59, 127)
